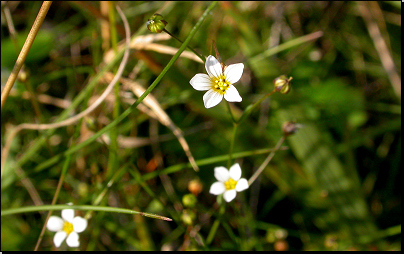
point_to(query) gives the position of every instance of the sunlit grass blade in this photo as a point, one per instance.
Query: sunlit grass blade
(27, 209)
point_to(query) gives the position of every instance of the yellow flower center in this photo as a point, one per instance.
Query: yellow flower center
(220, 84)
(68, 227)
(230, 184)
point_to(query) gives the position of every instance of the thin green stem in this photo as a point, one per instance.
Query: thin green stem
(103, 193)
(113, 148)
(216, 224)
(136, 175)
(391, 231)
(207, 161)
(213, 231)
(251, 108)
(267, 160)
(287, 45)
(231, 234)
(231, 114)
(233, 137)
(112, 26)
(196, 53)
(28, 209)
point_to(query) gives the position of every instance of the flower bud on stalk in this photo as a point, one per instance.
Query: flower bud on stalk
(289, 128)
(282, 84)
(156, 24)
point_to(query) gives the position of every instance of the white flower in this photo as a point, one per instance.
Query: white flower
(229, 182)
(68, 227)
(217, 83)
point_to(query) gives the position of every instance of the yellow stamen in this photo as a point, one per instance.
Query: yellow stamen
(221, 84)
(230, 184)
(68, 227)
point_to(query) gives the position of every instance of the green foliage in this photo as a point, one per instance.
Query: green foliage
(337, 187)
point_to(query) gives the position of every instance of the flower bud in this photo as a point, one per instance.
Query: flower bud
(195, 187)
(282, 84)
(289, 128)
(188, 216)
(22, 75)
(281, 233)
(189, 200)
(91, 123)
(156, 23)
(281, 245)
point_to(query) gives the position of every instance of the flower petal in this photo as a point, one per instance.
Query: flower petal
(232, 94)
(73, 240)
(229, 195)
(68, 215)
(233, 72)
(79, 224)
(211, 98)
(213, 67)
(235, 172)
(222, 174)
(242, 184)
(201, 82)
(58, 238)
(55, 224)
(217, 188)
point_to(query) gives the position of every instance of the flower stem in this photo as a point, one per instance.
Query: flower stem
(212, 231)
(233, 137)
(196, 53)
(216, 224)
(250, 108)
(267, 160)
(231, 114)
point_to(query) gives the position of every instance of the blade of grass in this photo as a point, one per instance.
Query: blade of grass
(287, 45)
(207, 161)
(28, 209)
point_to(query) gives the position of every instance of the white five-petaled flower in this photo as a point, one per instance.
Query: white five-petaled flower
(229, 182)
(67, 228)
(217, 83)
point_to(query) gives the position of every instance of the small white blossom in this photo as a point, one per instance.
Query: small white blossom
(218, 84)
(229, 182)
(67, 228)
